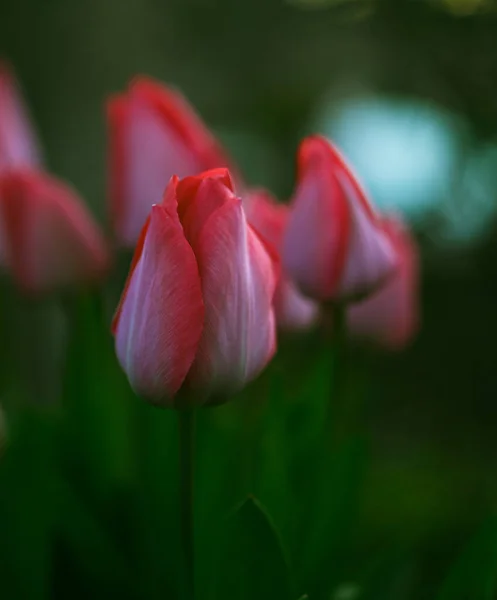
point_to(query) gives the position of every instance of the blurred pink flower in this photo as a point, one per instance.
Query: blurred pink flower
(49, 239)
(18, 141)
(390, 317)
(154, 134)
(196, 314)
(293, 310)
(334, 246)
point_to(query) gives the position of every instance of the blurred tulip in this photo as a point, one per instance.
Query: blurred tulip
(48, 239)
(334, 246)
(18, 142)
(293, 310)
(153, 134)
(196, 313)
(390, 316)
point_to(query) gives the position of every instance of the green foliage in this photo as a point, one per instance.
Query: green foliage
(252, 562)
(474, 575)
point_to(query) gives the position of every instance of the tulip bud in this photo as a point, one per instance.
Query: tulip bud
(334, 246)
(196, 314)
(293, 310)
(153, 134)
(48, 238)
(18, 142)
(390, 316)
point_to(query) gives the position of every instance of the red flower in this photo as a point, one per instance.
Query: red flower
(390, 316)
(153, 134)
(293, 310)
(48, 238)
(196, 313)
(334, 247)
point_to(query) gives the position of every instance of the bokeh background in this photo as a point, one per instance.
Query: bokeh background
(408, 89)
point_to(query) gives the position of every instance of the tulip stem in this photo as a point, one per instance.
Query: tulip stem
(186, 457)
(338, 383)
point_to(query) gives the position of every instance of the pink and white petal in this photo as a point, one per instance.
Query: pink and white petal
(161, 316)
(154, 153)
(266, 215)
(294, 312)
(18, 142)
(371, 258)
(238, 284)
(346, 173)
(52, 241)
(390, 317)
(177, 113)
(315, 240)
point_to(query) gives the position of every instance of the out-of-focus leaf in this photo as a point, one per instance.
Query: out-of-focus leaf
(474, 575)
(157, 553)
(337, 494)
(28, 507)
(97, 403)
(252, 562)
(385, 576)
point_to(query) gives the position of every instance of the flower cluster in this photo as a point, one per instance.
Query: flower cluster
(217, 265)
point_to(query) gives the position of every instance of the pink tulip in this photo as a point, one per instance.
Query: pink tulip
(293, 310)
(18, 142)
(390, 316)
(153, 134)
(196, 314)
(334, 246)
(47, 238)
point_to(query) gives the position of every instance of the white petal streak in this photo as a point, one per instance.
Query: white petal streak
(161, 317)
(238, 283)
(371, 258)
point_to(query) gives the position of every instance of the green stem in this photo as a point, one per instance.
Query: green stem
(186, 455)
(339, 371)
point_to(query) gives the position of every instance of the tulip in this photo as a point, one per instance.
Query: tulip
(293, 310)
(153, 134)
(18, 142)
(196, 314)
(48, 239)
(390, 316)
(334, 246)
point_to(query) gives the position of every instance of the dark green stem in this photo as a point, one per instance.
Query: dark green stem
(186, 456)
(339, 371)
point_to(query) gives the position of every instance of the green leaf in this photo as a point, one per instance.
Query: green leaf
(252, 561)
(474, 575)
(98, 402)
(27, 507)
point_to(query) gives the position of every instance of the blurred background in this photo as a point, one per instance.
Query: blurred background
(408, 89)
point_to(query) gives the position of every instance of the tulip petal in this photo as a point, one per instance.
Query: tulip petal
(147, 153)
(161, 314)
(153, 135)
(18, 141)
(371, 258)
(315, 241)
(197, 202)
(50, 239)
(178, 114)
(238, 283)
(293, 310)
(390, 316)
